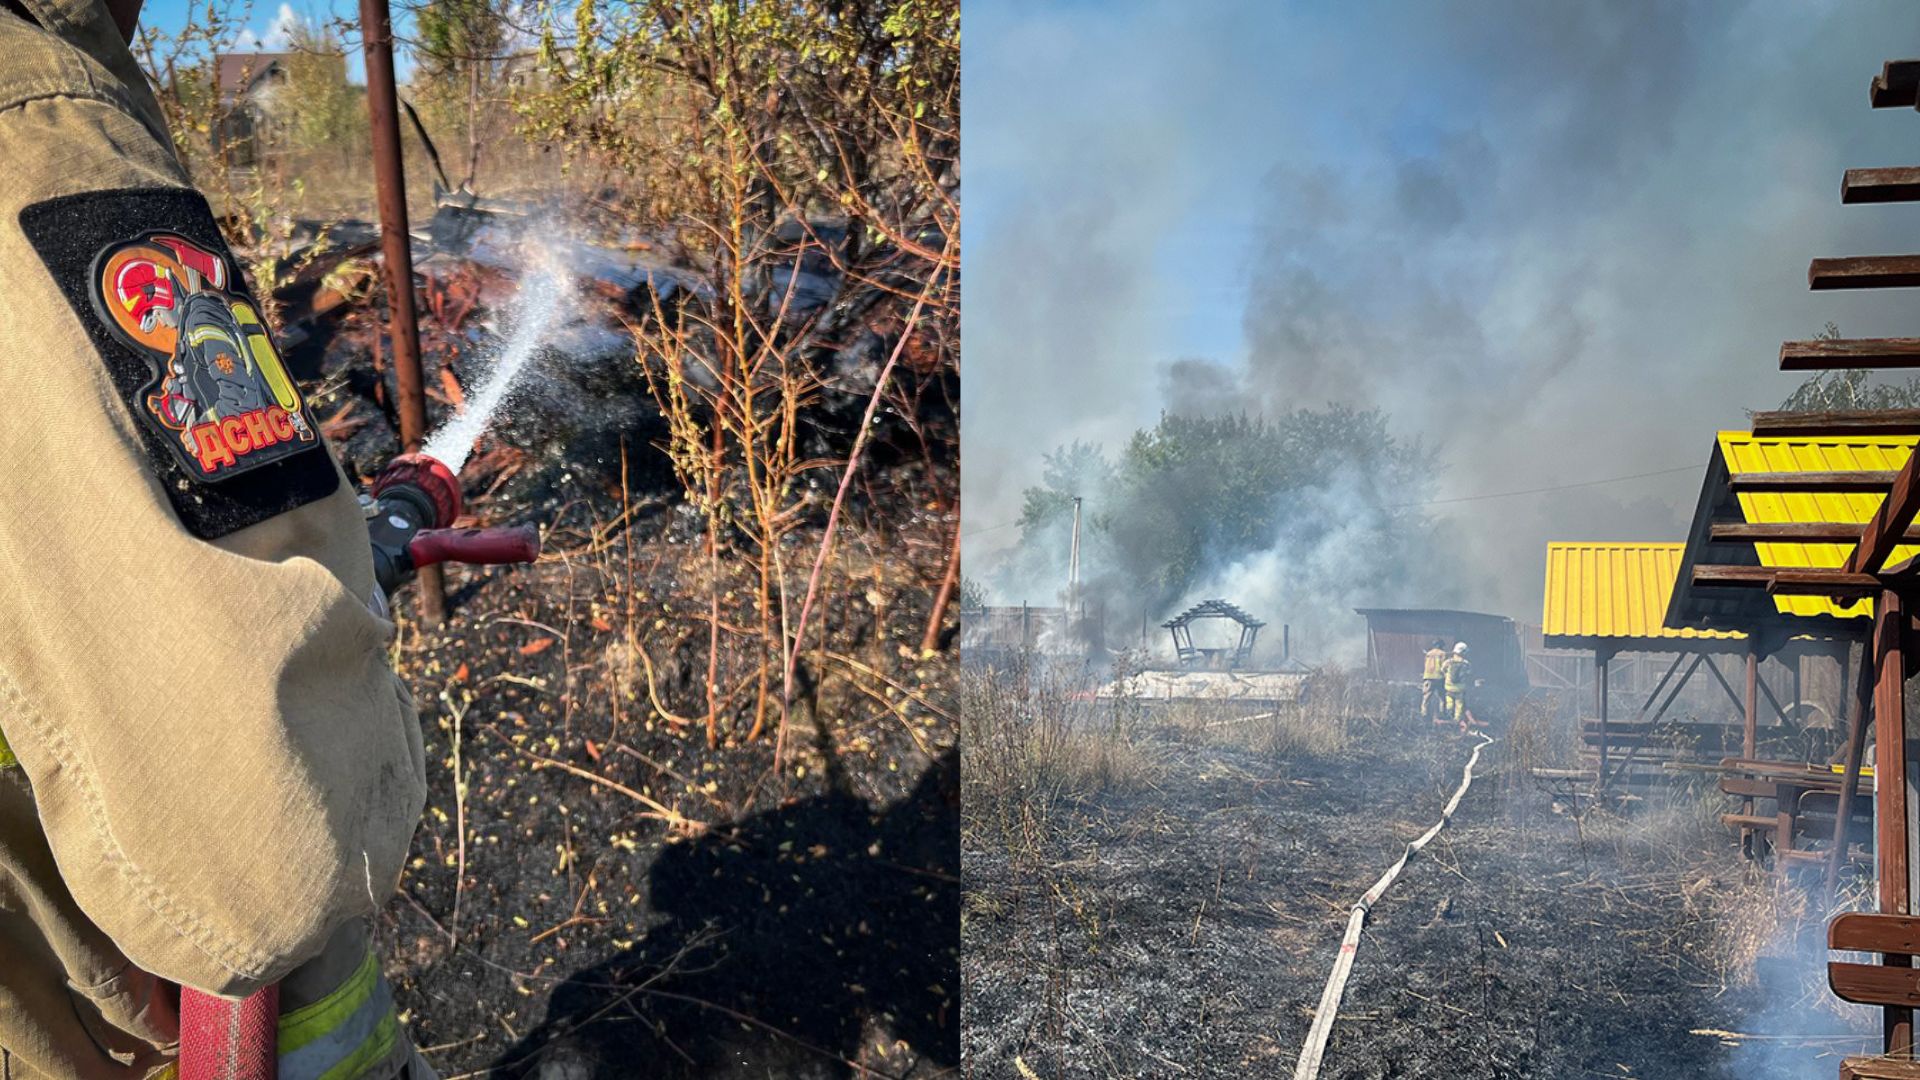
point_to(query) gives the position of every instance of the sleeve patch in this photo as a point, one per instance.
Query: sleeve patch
(224, 425)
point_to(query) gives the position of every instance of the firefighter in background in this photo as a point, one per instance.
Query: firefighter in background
(1457, 674)
(1431, 695)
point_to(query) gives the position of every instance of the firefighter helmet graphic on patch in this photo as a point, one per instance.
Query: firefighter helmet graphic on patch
(219, 392)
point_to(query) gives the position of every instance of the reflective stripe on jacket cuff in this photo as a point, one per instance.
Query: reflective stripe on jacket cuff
(343, 1035)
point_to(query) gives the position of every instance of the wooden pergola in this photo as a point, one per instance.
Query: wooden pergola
(1877, 570)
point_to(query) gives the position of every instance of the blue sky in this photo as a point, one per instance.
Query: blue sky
(1556, 242)
(262, 21)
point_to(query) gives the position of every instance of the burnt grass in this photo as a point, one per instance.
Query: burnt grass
(1187, 928)
(804, 927)
(630, 901)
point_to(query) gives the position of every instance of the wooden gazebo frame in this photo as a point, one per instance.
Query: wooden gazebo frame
(1868, 572)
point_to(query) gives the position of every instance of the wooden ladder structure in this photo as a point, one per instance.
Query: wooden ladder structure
(1894, 648)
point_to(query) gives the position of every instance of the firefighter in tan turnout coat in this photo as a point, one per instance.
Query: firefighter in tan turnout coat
(210, 775)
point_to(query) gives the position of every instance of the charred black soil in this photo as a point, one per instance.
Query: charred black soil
(607, 883)
(798, 925)
(1187, 928)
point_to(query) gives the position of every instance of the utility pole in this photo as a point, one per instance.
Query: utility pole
(1073, 563)
(390, 184)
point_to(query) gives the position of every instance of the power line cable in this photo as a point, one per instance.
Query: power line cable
(1553, 487)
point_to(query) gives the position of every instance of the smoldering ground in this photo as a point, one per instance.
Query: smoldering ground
(1168, 894)
(1554, 243)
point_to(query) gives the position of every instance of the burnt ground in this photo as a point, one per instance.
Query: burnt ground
(804, 925)
(630, 901)
(1187, 929)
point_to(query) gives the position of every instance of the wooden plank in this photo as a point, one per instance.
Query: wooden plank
(1864, 272)
(1786, 580)
(1879, 1068)
(1881, 423)
(1800, 532)
(1840, 354)
(1900, 183)
(1874, 984)
(1749, 788)
(1865, 482)
(1865, 931)
(1897, 85)
(1757, 822)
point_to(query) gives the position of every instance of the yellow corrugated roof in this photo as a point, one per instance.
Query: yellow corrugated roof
(1747, 453)
(1614, 591)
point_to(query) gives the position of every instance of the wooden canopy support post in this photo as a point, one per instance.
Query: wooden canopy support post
(1600, 658)
(1890, 793)
(1857, 711)
(1750, 747)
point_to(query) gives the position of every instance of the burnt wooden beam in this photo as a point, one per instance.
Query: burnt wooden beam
(1866, 482)
(1897, 85)
(1864, 272)
(1900, 422)
(1897, 184)
(1836, 354)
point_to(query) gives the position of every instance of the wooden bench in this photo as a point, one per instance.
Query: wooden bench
(1892, 984)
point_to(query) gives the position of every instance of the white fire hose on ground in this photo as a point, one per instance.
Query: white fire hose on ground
(1323, 1017)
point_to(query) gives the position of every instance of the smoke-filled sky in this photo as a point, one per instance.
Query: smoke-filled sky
(1558, 242)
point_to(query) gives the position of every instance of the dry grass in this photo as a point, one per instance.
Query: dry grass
(1033, 740)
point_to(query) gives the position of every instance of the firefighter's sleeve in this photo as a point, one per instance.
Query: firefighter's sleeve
(225, 765)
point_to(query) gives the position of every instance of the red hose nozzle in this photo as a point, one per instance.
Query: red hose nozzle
(433, 480)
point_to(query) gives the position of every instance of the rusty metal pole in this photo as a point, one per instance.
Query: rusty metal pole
(390, 182)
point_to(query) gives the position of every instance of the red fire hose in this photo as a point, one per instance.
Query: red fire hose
(409, 509)
(229, 1040)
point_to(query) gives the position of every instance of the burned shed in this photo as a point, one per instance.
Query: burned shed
(1398, 639)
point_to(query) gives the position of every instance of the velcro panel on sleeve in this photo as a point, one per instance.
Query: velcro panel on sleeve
(223, 425)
